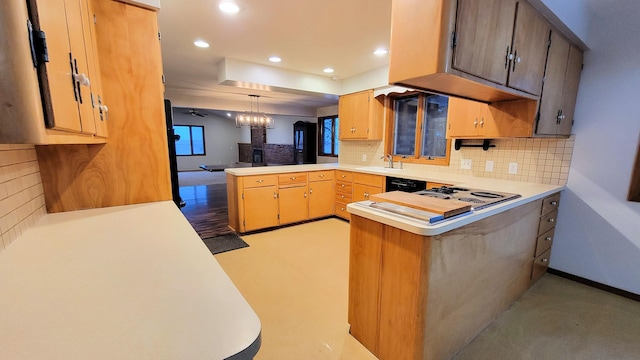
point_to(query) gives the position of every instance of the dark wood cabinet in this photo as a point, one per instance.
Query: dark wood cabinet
(560, 89)
(304, 142)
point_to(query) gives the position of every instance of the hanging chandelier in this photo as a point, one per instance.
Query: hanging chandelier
(255, 119)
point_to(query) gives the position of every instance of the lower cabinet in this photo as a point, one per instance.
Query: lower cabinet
(321, 198)
(365, 185)
(294, 204)
(262, 201)
(260, 208)
(544, 240)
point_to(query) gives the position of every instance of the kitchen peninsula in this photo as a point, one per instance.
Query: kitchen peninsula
(420, 290)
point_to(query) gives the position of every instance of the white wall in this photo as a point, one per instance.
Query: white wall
(598, 232)
(221, 140)
(282, 133)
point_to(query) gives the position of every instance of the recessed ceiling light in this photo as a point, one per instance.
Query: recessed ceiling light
(380, 51)
(228, 7)
(201, 44)
(328, 70)
(275, 59)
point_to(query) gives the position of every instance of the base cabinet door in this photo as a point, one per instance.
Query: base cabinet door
(293, 204)
(260, 208)
(321, 198)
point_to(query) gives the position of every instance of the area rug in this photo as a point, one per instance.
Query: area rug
(223, 243)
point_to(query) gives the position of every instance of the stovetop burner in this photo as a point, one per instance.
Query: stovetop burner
(477, 197)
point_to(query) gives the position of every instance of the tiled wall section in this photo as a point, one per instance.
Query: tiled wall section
(540, 160)
(21, 194)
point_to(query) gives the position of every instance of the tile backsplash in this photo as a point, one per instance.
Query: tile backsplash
(540, 160)
(21, 192)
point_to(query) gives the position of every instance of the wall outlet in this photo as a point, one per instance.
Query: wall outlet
(488, 166)
(513, 168)
(465, 164)
(364, 157)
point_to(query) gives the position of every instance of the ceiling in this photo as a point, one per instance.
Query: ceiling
(308, 35)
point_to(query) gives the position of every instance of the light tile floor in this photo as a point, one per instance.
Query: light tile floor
(296, 280)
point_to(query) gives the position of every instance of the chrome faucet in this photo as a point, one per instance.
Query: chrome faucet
(389, 159)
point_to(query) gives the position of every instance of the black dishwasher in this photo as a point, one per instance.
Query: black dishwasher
(406, 185)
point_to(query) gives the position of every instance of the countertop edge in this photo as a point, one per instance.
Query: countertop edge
(423, 228)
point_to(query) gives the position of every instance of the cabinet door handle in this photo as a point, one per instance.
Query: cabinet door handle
(548, 238)
(275, 195)
(310, 191)
(554, 203)
(366, 194)
(82, 79)
(305, 194)
(551, 220)
(507, 57)
(482, 123)
(515, 61)
(544, 260)
(475, 123)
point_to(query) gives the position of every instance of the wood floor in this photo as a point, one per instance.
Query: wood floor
(206, 207)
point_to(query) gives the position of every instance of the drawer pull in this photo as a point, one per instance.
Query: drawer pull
(551, 220)
(342, 185)
(548, 238)
(321, 176)
(259, 181)
(341, 209)
(544, 260)
(343, 176)
(554, 203)
(342, 196)
(292, 178)
(366, 194)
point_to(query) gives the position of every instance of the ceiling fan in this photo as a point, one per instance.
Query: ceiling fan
(194, 112)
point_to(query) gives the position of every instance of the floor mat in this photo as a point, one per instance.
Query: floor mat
(223, 243)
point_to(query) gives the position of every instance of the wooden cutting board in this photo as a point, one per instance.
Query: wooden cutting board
(446, 208)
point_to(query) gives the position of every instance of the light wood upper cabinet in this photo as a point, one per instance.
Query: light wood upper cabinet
(473, 119)
(560, 89)
(361, 116)
(487, 50)
(69, 80)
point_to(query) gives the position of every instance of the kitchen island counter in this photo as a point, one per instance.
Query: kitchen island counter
(131, 282)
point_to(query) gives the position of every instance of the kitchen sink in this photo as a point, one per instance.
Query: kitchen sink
(378, 168)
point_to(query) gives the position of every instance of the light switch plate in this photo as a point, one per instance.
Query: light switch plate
(488, 166)
(364, 157)
(465, 164)
(513, 168)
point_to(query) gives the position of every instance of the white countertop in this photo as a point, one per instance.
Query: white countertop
(528, 191)
(127, 282)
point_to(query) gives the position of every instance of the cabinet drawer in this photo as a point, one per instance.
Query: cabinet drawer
(341, 211)
(343, 198)
(369, 179)
(540, 265)
(343, 187)
(550, 203)
(321, 175)
(547, 222)
(288, 179)
(259, 180)
(344, 175)
(544, 242)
